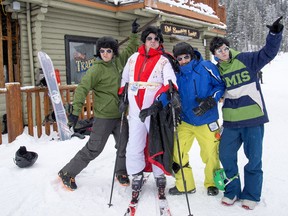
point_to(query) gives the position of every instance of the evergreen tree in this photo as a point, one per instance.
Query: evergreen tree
(246, 22)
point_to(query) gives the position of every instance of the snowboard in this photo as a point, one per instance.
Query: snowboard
(55, 96)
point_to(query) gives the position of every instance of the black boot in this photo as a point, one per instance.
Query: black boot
(67, 180)
(212, 191)
(123, 179)
(175, 191)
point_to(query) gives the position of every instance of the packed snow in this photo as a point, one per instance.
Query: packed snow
(37, 191)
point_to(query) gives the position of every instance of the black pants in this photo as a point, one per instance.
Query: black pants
(101, 130)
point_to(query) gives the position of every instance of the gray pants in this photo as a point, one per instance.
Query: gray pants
(101, 130)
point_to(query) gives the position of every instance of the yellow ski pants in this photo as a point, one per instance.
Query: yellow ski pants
(208, 151)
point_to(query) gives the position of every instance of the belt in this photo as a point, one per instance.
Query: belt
(145, 85)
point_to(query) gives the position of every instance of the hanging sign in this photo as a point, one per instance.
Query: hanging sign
(168, 29)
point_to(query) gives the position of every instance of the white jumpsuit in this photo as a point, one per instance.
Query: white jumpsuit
(148, 76)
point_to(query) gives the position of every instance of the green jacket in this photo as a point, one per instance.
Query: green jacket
(103, 78)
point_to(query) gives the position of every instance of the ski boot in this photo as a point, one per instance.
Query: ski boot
(161, 185)
(67, 180)
(137, 183)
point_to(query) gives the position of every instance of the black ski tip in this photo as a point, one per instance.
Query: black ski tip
(80, 136)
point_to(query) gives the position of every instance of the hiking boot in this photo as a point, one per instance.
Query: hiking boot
(161, 184)
(123, 179)
(67, 180)
(212, 191)
(248, 204)
(227, 201)
(175, 191)
(137, 182)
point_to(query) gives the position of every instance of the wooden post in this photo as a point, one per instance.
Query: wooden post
(38, 114)
(9, 48)
(30, 114)
(2, 76)
(14, 111)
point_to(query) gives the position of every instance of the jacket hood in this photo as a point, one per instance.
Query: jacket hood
(192, 64)
(233, 53)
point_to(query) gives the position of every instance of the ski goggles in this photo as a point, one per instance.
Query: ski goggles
(181, 58)
(151, 38)
(106, 50)
(222, 50)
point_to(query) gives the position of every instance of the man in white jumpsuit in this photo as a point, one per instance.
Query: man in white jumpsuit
(148, 73)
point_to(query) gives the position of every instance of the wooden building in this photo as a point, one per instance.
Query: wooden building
(57, 27)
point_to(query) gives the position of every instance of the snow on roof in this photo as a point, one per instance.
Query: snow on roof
(196, 7)
(193, 6)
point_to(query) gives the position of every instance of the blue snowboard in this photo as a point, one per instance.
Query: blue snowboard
(55, 96)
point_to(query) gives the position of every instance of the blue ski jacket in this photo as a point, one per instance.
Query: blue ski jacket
(199, 79)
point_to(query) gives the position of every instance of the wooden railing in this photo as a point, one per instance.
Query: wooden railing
(37, 110)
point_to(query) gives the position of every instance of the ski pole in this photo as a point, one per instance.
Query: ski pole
(141, 28)
(178, 146)
(119, 140)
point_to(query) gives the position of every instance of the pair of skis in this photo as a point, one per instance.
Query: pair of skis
(136, 195)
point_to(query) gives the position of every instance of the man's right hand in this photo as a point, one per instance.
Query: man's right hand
(72, 120)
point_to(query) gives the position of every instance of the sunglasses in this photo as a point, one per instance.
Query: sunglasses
(107, 50)
(151, 38)
(219, 51)
(181, 58)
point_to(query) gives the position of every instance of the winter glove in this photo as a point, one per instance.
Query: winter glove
(176, 104)
(175, 100)
(152, 110)
(123, 97)
(205, 105)
(276, 27)
(123, 105)
(72, 120)
(135, 26)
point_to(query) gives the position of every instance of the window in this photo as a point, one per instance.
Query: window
(79, 56)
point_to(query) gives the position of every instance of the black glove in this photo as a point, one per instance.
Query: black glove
(72, 120)
(175, 100)
(123, 105)
(123, 97)
(135, 26)
(276, 27)
(152, 110)
(205, 105)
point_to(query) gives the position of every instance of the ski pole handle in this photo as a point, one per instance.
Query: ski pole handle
(170, 86)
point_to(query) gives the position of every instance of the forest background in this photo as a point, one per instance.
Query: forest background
(247, 20)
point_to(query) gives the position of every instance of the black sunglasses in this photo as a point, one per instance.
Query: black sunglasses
(181, 58)
(151, 38)
(103, 51)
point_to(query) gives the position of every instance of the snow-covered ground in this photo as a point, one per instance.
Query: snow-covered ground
(36, 191)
